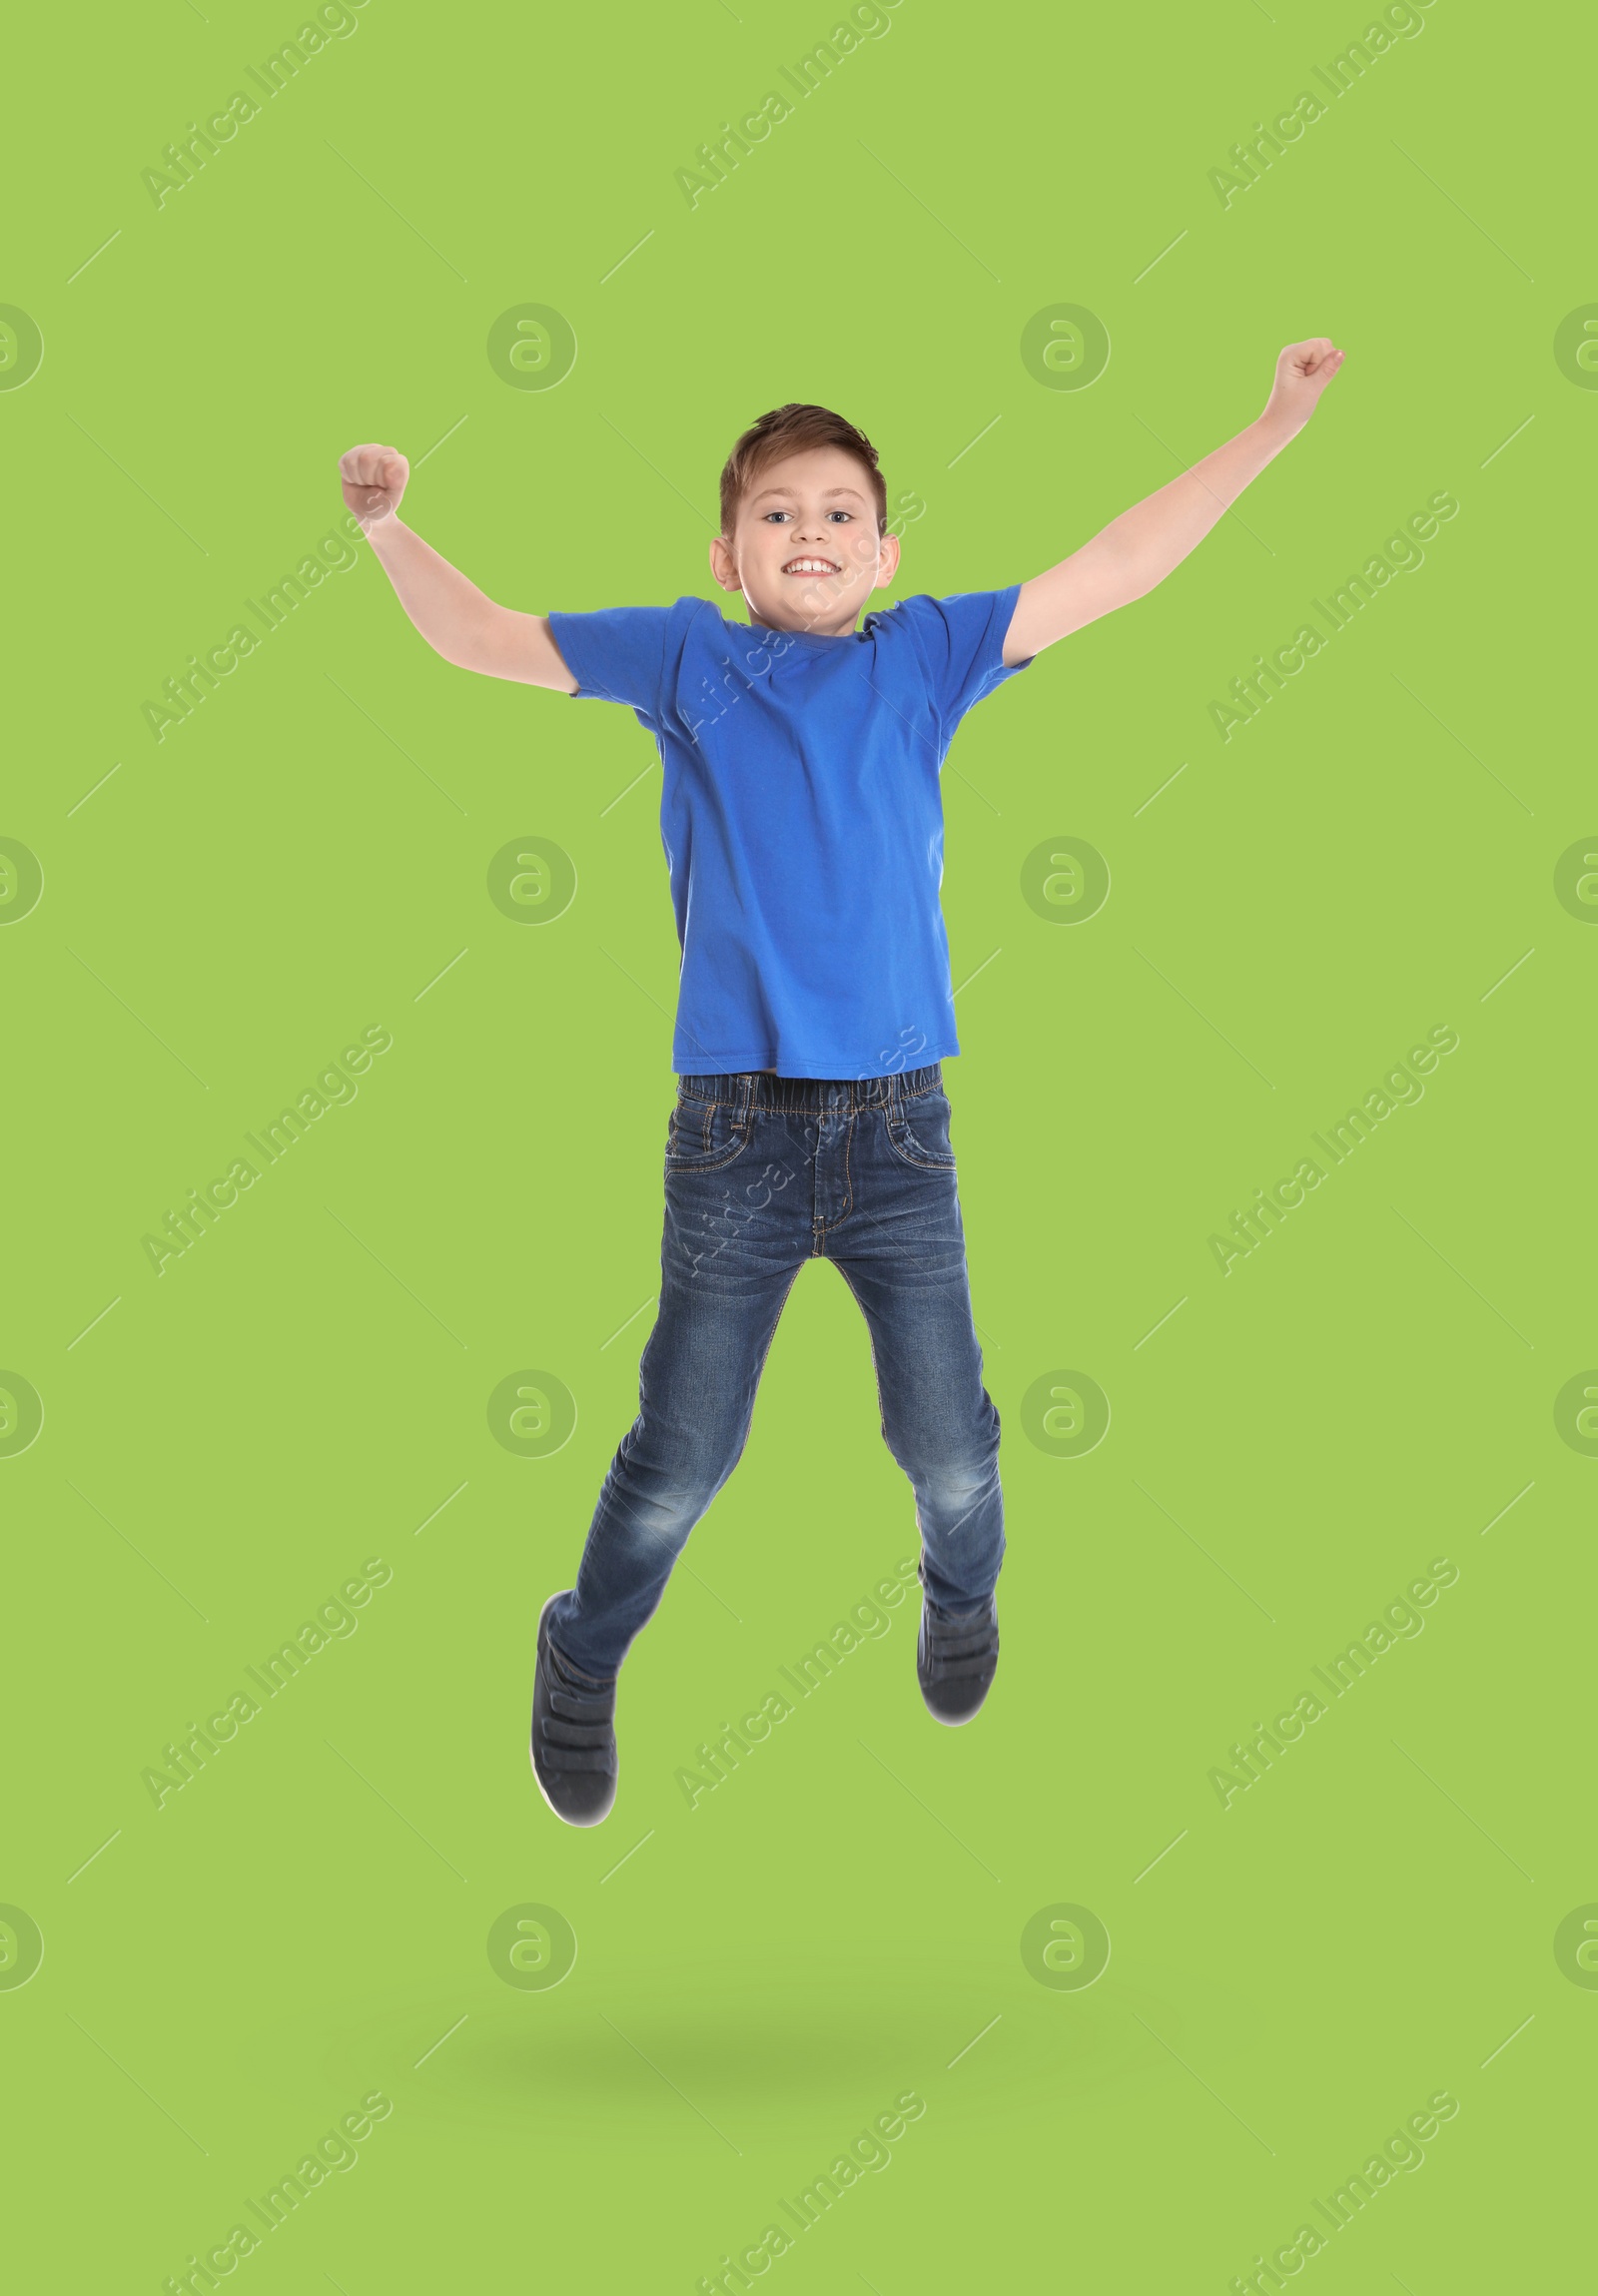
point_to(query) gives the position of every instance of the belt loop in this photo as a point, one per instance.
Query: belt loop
(894, 1092)
(741, 1120)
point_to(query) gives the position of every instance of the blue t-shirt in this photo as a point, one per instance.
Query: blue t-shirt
(802, 820)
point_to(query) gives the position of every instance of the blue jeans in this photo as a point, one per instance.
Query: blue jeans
(764, 1173)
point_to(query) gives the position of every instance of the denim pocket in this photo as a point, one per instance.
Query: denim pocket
(704, 1136)
(918, 1132)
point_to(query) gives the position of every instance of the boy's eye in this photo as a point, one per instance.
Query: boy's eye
(846, 516)
(769, 516)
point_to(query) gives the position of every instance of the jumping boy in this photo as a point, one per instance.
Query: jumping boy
(803, 829)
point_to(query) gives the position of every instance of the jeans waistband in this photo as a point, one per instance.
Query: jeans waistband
(800, 1096)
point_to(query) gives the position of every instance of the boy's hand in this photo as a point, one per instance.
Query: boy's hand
(1304, 370)
(374, 478)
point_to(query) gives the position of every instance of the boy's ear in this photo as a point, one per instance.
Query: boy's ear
(887, 561)
(723, 565)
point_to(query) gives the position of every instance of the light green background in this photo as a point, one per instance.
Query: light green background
(224, 1977)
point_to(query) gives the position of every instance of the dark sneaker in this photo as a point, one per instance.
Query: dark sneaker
(574, 1744)
(957, 1659)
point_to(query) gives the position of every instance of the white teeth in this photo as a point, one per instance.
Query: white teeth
(810, 567)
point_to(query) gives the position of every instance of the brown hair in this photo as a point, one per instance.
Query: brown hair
(792, 429)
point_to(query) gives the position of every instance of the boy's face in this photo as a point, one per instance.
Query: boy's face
(804, 550)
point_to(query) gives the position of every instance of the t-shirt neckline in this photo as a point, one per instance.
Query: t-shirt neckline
(763, 635)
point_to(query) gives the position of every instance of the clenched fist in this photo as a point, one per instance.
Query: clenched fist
(374, 478)
(1304, 370)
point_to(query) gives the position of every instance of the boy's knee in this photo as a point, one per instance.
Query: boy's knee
(952, 1489)
(682, 1466)
(959, 1484)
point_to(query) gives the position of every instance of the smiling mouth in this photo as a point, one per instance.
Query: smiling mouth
(811, 566)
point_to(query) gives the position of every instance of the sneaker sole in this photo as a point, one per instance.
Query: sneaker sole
(956, 1721)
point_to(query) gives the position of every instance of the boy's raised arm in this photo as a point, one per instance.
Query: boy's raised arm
(452, 614)
(1142, 545)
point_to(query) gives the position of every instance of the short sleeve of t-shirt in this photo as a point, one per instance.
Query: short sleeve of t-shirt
(959, 643)
(617, 655)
